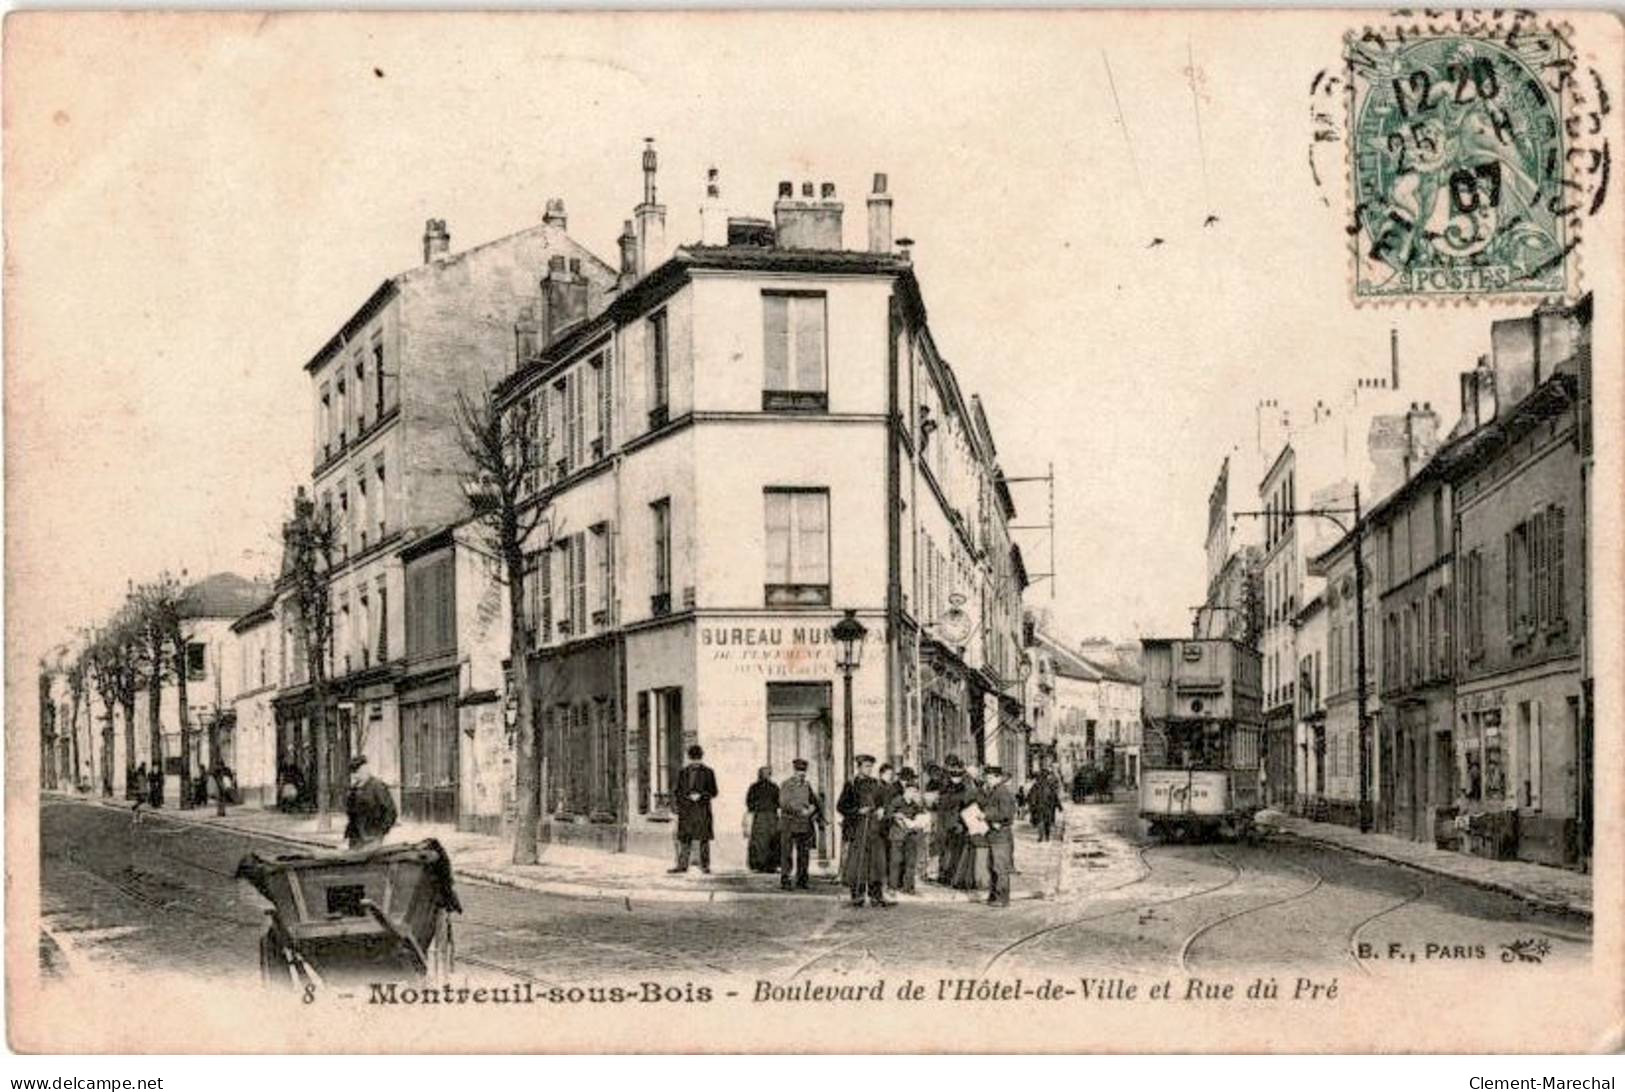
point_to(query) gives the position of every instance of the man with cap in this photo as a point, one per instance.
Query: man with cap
(863, 826)
(369, 807)
(999, 808)
(695, 789)
(800, 814)
(906, 831)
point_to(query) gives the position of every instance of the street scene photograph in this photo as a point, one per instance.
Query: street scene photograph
(800, 532)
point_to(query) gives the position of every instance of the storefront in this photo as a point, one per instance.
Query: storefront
(575, 692)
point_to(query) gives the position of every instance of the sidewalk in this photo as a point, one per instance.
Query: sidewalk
(577, 872)
(1540, 885)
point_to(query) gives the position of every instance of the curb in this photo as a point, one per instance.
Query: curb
(1502, 887)
(562, 888)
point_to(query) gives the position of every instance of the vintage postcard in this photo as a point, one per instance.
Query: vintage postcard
(827, 531)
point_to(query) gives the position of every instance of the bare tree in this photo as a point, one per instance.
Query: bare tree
(505, 458)
(115, 664)
(310, 537)
(156, 609)
(75, 669)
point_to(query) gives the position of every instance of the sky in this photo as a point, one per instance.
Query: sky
(195, 204)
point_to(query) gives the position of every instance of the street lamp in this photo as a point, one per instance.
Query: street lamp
(849, 634)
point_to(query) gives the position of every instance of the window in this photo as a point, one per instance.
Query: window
(364, 630)
(196, 666)
(326, 423)
(659, 381)
(360, 394)
(1557, 613)
(341, 409)
(533, 598)
(577, 555)
(1528, 754)
(378, 374)
(383, 506)
(660, 513)
(797, 523)
(342, 635)
(1440, 547)
(363, 500)
(793, 335)
(659, 747)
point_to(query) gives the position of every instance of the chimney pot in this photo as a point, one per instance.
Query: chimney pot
(575, 266)
(787, 190)
(554, 214)
(880, 184)
(436, 240)
(555, 263)
(827, 191)
(806, 189)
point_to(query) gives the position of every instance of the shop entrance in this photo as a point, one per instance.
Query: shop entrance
(798, 726)
(429, 761)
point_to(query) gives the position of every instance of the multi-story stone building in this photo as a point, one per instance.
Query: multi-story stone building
(1522, 723)
(389, 468)
(261, 670)
(755, 435)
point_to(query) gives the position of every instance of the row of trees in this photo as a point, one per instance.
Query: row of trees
(142, 647)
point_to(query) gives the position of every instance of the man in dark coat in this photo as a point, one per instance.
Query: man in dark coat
(1044, 801)
(370, 808)
(863, 827)
(999, 808)
(904, 833)
(696, 788)
(801, 813)
(762, 802)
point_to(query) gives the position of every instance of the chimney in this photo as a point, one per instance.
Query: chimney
(1486, 391)
(564, 297)
(1512, 352)
(629, 255)
(810, 223)
(880, 237)
(713, 219)
(1421, 437)
(1393, 354)
(650, 217)
(436, 241)
(554, 215)
(526, 335)
(1556, 335)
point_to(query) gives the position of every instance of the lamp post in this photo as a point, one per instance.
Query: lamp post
(1357, 533)
(849, 634)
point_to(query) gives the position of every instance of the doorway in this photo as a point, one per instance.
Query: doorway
(798, 726)
(429, 761)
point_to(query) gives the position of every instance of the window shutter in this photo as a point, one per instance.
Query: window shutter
(812, 538)
(1512, 588)
(1554, 524)
(776, 343)
(545, 568)
(778, 537)
(809, 327)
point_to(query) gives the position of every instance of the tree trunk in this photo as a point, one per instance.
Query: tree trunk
(129, 748)
(73, 743)
(155, 723)
(216, 767)
(528, 784)
(181, 665)
(106, 771)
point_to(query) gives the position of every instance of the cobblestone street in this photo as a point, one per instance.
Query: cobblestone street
(160, 893)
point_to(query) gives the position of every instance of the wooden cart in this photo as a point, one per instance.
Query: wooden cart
(370, 915)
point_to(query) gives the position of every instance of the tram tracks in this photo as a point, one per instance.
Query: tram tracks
(1317, 880)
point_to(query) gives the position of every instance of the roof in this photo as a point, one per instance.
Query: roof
(223, 595)
(1074, 665)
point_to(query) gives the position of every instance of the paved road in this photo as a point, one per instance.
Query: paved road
(124, 895)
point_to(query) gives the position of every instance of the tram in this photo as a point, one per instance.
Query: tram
(1201, 717)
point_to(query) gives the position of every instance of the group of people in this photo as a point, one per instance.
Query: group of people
(954, 829)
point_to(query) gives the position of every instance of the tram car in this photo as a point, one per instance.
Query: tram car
(1201, 716)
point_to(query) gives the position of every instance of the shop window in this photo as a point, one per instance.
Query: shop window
(659, 746)
(797, 526)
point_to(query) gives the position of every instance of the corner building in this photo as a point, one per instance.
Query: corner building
(754, 436)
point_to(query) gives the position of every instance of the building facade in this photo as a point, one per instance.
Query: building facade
(669, 604)
(1522, 720)
(388, 469)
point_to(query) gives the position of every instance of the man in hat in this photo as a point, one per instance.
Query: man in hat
(1044, 800)
(369, 807)
(863, 826)
(999, 808)
(696, 788)
(905, 831)
(800, 814)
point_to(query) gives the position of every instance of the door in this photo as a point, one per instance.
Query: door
(798, 726)
(429, 761)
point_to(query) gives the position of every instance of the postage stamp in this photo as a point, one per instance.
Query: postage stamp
(1457, 161)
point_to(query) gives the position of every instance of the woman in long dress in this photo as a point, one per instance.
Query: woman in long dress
(762, 801)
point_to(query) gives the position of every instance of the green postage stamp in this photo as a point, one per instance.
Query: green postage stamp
(1457, 159)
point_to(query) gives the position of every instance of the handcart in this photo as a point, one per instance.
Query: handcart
(368, 915)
